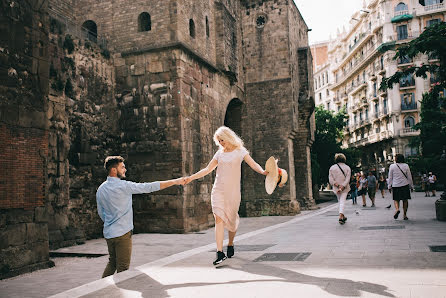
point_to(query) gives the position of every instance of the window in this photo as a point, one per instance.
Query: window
(328, 106)
(409, 122)
(432, 2)
(407, 81)
(401, 32)
(376, 110)
(320, 96)
(207, 27)
(408, 102)
(401, 9)
(90, 31)
(432, 22)
(144, 22)
(192, 28)
(385, 105)
(260, 21)
(410, 151)
(374, 89)
(366, 114)
(405, 59)
(328, 92)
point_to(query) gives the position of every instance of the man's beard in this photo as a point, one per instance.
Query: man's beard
(121, 175)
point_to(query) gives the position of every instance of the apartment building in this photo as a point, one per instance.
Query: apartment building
(380, 123)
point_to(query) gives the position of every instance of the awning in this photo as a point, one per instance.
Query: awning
(384, 47)
(401, 18)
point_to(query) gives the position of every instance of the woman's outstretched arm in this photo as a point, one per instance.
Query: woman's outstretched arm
(203, 172)
(255, 166)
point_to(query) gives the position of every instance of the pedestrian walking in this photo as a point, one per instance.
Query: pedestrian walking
(372, 184)
(382, 185)
(114, 203)
(225, 195)
(425, 185)
(400, 181)
(339, 177)
(353, 189)
(362, 189)
(432, 182)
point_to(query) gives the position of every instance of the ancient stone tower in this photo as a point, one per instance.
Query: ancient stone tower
(152, 81)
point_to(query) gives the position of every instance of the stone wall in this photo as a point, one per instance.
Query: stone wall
(24, 137)
(82, 112)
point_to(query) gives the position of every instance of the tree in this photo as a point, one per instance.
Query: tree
(432, 125)
(327, 142)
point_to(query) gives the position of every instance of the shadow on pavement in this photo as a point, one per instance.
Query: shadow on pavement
(148, 287)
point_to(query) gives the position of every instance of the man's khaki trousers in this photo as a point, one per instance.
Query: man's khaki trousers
(120, 252)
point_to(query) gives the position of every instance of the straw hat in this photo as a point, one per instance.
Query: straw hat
(275, 175)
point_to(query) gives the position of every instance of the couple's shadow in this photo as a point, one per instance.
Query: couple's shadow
(149, 287)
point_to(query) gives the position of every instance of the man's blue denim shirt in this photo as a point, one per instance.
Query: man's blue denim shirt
(114, 199)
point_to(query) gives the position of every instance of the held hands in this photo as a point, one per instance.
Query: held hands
(180, 181)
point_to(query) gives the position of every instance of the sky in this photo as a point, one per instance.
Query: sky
(325, 16)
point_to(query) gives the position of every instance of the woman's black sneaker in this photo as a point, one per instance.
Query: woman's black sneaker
(220, 258)
(230, 251)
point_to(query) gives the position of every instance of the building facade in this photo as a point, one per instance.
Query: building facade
(150, 81)
(380, 123)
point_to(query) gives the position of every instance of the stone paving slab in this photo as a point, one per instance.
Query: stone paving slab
(345, 261)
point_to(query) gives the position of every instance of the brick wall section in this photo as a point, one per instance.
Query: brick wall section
(24, 138)
(23, 154)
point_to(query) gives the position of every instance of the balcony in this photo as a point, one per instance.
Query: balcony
(357, 87)
(408, 106)
(404, 36)
(407, 83)
(409, 132)
(373, 138)
(429, 9)
(387, 134)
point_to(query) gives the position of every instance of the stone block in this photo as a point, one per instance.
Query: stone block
(55, 236)
(16, 216)
(14, 235)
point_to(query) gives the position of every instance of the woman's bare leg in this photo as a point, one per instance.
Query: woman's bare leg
(219, 232)
(231, 238)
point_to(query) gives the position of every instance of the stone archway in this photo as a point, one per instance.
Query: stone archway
(233, 116)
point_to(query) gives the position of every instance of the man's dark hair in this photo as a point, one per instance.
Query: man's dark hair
(399, 158)
(112, 162)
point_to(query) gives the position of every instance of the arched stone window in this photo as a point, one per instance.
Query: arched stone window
(144, 22)
(207, 27)
(192, 28)
(409, 121)
(401, 9)
(90, 31)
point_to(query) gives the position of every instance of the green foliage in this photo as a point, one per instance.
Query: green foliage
(431, 42)
(327, 142)
(432, 125)
(68, 44)
(87, 44)
(56, 26)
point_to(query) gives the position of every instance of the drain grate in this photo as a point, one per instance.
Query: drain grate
(54, 254)
(276, 257)
(437, 248)
(383, 228)
(258, 247)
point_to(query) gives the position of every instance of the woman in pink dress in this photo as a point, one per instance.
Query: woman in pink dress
(225, 196)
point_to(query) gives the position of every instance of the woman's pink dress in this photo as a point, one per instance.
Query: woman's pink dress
(225, 196)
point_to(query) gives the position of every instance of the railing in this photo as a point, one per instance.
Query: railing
(78, 31)
(404, 60)
(400, 13)
(409, 35)
(408, 131)
(366, 54)
(404, 83)
(430, 8)
(408, 106)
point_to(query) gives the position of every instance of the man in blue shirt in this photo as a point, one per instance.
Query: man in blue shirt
(114, 199)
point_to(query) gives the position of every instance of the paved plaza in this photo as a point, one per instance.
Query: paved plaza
(309, 255)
